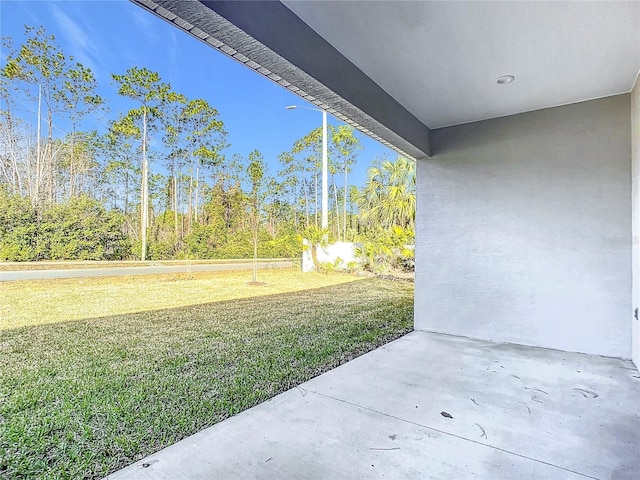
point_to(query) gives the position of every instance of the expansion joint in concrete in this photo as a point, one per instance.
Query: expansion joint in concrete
(449, 434)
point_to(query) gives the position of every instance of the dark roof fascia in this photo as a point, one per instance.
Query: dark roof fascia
(269, 38)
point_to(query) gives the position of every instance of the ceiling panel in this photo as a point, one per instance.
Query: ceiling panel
(440, 60)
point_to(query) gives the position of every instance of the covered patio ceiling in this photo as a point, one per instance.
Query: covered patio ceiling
(397, 69)
(441, 60)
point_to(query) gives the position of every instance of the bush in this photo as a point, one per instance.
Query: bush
(384, 251)
(285, 245)
(82, 229)
(20, 245)
(204, 241)
(214, 242)
(17, 228)
(79, 229)
(163, 249)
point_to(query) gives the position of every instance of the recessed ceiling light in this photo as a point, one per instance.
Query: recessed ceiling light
(504, 79)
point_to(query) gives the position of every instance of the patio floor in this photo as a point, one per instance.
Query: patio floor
(516, 413)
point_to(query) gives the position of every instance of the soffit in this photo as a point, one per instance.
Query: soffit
(440, 60)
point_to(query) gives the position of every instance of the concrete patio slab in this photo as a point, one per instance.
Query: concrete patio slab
(516, 413)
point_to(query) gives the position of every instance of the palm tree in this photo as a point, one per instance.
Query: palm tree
(313, 238)
(389, 197)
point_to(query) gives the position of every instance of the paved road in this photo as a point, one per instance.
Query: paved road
(150, 270)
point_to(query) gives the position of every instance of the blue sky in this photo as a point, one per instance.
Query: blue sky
(112, 36)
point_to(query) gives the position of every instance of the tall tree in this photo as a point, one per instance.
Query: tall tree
(294, 175)
(309, 148)
(78, 97)
(120, 167)
(303, 165)
(206, 138)
(227, 180)
(389, 197)
(333, 170)
(255, 169)
(78, 163)
(13, 146)
(146, 89)
(276, 208)
(345, 147)
(176, 152)
(39, 65)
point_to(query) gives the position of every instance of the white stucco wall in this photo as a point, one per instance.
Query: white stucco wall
(635, 155)
(524, 232)
(345, 251)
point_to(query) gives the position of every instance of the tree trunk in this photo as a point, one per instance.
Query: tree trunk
(344, 218)
(35, 200)
(306, 202)
(315, 179)
(197, 192)
(72, 161)
(189, 209)
(144, 212)
(51, 194)
(335, 196)
(175, 208)
(255, 258)
(11, 169)
(255, 238)
(314, 256)
(126, 193)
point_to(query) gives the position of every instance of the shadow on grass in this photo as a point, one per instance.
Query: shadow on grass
(81, 399)
(42, 302)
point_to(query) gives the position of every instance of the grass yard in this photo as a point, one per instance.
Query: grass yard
(65, 264)
(88, 387)
(26, 303)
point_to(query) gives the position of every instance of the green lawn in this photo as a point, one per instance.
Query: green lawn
(82, 398)
(74, 264)
(26, 303)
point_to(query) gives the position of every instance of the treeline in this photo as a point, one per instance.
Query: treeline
(159, 182)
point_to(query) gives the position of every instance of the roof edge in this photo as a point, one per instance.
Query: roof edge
(259, 35)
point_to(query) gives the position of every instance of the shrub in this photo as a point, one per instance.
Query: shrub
(385, 250)
(81, 229)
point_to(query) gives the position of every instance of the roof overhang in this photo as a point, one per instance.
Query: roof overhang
(251, 32)
(392, 69)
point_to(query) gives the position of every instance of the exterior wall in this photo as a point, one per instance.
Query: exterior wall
(345, 251)
(635, 155)
(523, 229)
